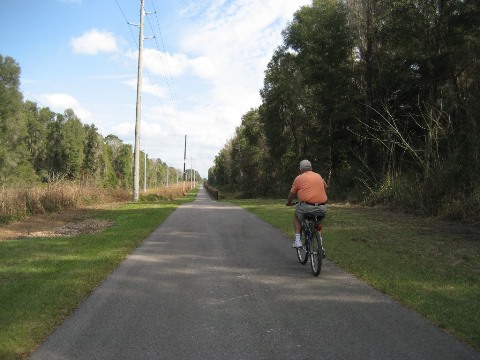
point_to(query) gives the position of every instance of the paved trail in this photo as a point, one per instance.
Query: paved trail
(215, 282)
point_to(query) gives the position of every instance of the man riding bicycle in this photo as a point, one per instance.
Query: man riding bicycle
(310, 189)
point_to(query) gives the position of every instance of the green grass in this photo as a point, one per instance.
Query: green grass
(427, 265)
(42, 280)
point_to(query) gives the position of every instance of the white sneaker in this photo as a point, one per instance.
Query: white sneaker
(297, 244)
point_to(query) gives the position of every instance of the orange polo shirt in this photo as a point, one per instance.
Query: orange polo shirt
(310, 187)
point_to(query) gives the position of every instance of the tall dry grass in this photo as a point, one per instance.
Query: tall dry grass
(166, 193)
(19, 203)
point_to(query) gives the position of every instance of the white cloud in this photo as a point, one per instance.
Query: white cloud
(93, 42)
(203, 67)
(165, 64)
(61, 102)
(241, 36)
(147, 87)
(160, 63)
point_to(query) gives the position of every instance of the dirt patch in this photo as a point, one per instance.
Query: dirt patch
(88, 226)
(66, 223)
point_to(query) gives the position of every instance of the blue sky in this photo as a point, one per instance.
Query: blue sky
(202, 71)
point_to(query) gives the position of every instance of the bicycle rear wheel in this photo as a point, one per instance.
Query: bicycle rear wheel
(302, 252)
(316, 254)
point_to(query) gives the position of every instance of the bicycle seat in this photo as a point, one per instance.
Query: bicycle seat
(315, 215)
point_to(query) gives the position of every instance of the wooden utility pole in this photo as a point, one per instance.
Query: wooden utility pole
(184, 160)
(145, 172)
(136, 158)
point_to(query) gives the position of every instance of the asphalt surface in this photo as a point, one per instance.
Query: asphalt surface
(215, 282)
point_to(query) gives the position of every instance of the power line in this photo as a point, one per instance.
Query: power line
(166, 69)
(168, 79)
(36, 101)
(146, 69)
(170, 84)
(128, 23)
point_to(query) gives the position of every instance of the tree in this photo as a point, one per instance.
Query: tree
(15, 166)
(38, 121)
(282, 112)
(122, 160)
(251, 157)
(93, 161)
(65, 139)
(308, 91)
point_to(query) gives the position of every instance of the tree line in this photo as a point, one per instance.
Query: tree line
(382, 96)
(39, 145)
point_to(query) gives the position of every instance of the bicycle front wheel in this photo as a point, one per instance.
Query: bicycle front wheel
(302, 252)
(316, 254)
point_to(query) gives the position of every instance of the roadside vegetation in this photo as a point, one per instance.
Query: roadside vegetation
(381, 97)
(428, 265)
(44, 279)
(22, 202)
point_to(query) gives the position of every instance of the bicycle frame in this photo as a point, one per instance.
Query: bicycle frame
(313, 247)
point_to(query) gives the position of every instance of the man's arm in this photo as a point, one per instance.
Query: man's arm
(291, 197)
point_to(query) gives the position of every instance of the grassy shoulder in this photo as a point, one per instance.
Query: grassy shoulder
(42, 280)
(427, 265)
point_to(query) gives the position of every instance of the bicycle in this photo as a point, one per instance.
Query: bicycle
(311, 236)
